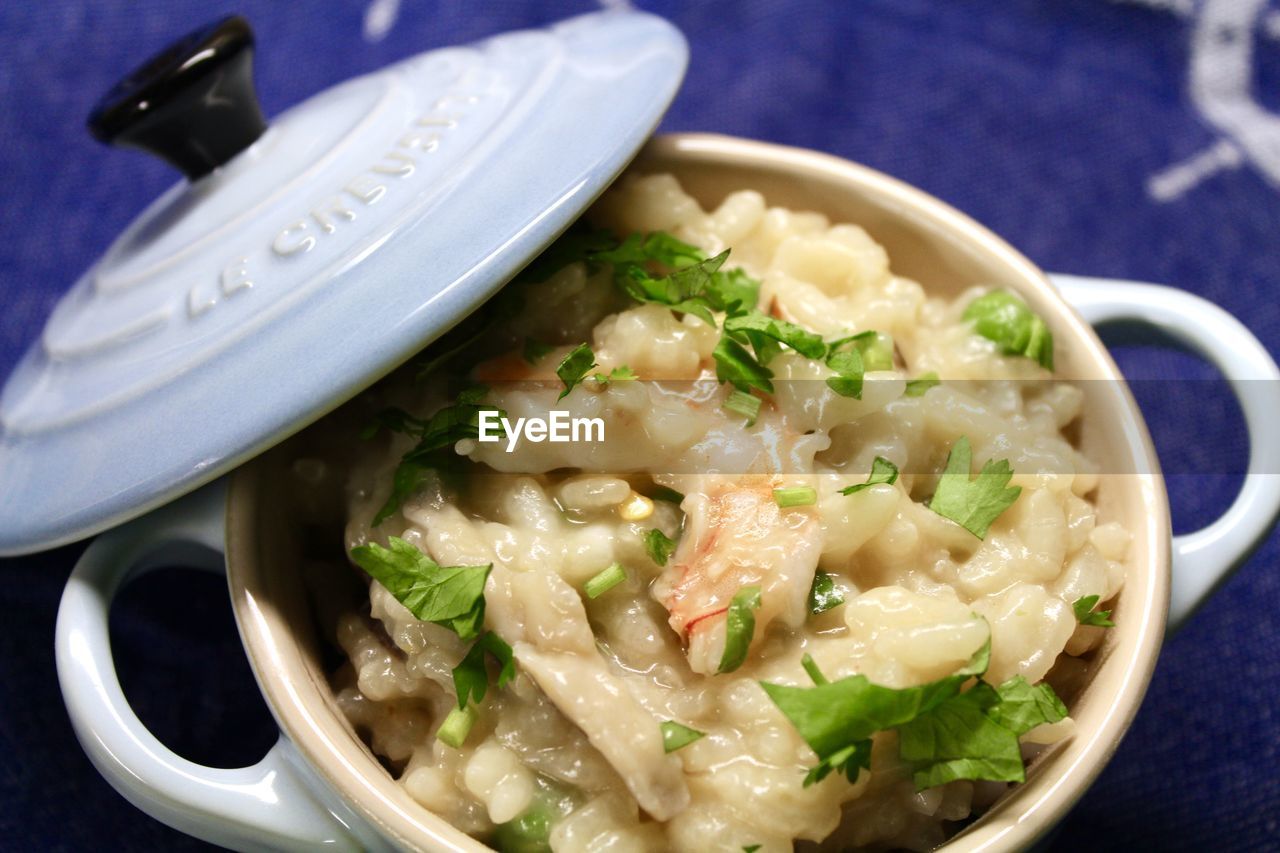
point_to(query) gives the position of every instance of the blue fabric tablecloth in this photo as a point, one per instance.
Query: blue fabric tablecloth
(1069, 127)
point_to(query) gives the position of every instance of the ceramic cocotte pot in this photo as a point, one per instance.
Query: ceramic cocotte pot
(322, 786)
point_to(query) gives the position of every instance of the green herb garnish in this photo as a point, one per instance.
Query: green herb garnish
(605, 581)
(875, 348)
(764, 333)
(1024, 705)
(658, 546)
(471, 676)
(974, 735)
(535, 351)
(450, 596)
(676, 736)
(1005, 319)
(740, 625)
(837, 718)
(1086, 615)
(738, 367)
(882, 471)
(618, 373)
(574, 367)
(436, 436)
(849, 370)
(796, 496)
(973, 504)
(743, 403)
(823, 595)
(695, 284)
(811, 669)
(921, 384)
(662, 493)
(943, 734)
(456, 726)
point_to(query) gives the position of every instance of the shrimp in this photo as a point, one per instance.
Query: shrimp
(737, 536)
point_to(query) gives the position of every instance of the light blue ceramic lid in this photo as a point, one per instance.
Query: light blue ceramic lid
(361, 225)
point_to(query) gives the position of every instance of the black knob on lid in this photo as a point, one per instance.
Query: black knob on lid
(193, 104)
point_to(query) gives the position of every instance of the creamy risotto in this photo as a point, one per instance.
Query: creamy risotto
(786, 599)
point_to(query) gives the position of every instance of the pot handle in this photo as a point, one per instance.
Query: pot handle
(276, 803)
(1206, 558)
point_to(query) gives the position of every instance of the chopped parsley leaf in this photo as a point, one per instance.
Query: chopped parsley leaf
(738, 367)
(618, 373)
(759, 329)
(1024, 705)
(973, 504)
(436, 436)
(471, 676)
(449, 596)
(849, 370)
(944, 734)
(823, 595)
(1086, 615)
(837, 718)
(695, 284)
(658, 546)
(882, 471)
(574, 367)
(676, 736)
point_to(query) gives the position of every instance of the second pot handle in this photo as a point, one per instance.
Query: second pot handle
(273, 804)
(1204, 559)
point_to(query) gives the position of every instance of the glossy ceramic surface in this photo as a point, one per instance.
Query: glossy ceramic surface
(363, 224)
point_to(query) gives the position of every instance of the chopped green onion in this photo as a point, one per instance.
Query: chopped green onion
(455, 728)
(528, 833)
(676, 736)
(605, 581)
(744, 403)
(797, 496)
(740, 625)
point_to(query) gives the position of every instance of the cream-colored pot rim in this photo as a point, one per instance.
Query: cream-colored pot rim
(925, 238)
